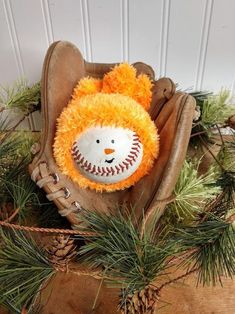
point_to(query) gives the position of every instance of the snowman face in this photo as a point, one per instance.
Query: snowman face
(107, 154)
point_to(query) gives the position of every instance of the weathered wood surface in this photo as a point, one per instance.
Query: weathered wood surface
(70, 295)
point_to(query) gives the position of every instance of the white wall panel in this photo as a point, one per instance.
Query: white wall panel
(144, 32)
(191, 41)
(9, 68)
(67, 22)
(31, 35)
(104, 30)
(184, 35)
(219, 67)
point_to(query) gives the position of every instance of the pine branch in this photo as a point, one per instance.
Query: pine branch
(192, 193)
(24, 268)
(226, 158)
(21, 96)
(200, 97)
(9, 145)
(129, 260)
(22, 194)
(175, 280)
(211, 241)
(215, 109)
(227, 183)
(212, 245)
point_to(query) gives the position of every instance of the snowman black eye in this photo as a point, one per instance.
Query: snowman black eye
(97, 141)
(112, 141)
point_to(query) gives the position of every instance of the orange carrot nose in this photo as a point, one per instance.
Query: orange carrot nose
(109, 151)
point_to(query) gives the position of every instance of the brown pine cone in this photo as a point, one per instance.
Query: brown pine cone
(61, 251)
(231, 122)
(141, 302)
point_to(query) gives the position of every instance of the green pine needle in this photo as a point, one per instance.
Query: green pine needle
(192, 192)
(22, 193)
(21, 96)
(129, 260)
(213, 249)
(215, 109)
(200, 96)
(9, 145)
(227, 183)
(226, 158)
(23, 269)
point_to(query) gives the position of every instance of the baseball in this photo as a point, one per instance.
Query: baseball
(107, 154)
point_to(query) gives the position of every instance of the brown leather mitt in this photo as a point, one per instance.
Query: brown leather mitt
(172, 113)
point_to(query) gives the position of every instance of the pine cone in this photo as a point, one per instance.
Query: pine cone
(141, 302)
(231, 122)
(61, 251)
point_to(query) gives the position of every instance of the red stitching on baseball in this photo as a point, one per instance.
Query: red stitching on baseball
(125, 164)
(77, 159)
(79, 156)
(135, 148)
(103, 170)
(118, 170)
(129, 161)
(122, 168)
(133, 153)
(107, 171)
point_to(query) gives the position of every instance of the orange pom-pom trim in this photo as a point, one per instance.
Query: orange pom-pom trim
(87, 86)
(104, 110)
(121, 79)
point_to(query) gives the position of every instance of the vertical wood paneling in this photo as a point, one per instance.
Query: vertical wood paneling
(47, 21)
(9, 69)
(105, 30)
(204, 44)
(31, 35)
(185, 32)
(220, 59)
(125, 30)
(144, 32)
(86, 30)
(67, 23)
(33, 40)
(165, 20)
(190, 41)
(13, 36)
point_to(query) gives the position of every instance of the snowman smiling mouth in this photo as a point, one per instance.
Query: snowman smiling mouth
(107, 154)
(110, 160)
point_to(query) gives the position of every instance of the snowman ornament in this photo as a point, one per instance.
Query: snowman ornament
(107, 154)
(105, 138)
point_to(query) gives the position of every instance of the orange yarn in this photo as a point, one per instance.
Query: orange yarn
(87, 86)
(122, 80)
(119, 101)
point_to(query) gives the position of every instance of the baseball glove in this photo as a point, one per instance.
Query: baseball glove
(171, 111)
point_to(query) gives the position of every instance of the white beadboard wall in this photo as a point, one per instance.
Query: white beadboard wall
(191, 41)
